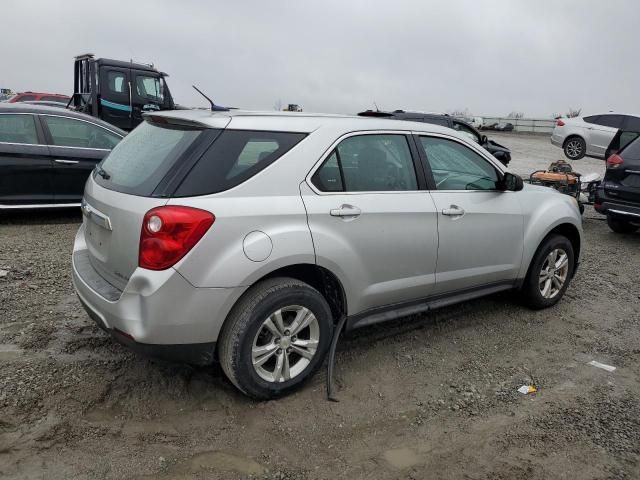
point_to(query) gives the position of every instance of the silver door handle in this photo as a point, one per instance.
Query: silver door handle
(453, 211)
(345, 211)
(66, 162)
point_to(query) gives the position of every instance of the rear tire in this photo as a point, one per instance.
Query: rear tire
(550, 273)
(620, 226)
(575, 148)
(260, 352)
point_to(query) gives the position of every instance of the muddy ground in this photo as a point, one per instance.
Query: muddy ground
(431, 396)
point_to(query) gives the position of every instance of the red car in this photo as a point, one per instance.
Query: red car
(39, 96)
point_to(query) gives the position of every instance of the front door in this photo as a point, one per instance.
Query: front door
(76, 147)
(371, 221)
(25, 165)
(115, 97)
(480, 228)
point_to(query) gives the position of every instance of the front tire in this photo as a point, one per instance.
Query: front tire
(620, 226)
(550, 273)
(575, 148)
(275, 338)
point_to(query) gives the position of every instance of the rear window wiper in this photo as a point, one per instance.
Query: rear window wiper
(103, 173)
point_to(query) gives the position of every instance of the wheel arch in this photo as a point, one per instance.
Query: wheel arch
(572, 136)
(567, 230)
(320, 278)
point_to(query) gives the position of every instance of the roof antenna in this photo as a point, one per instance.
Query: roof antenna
(214, 107)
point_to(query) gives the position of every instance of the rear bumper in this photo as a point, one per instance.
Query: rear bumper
(557, 140)
(623, 210)
(192, 353)
(158, 313)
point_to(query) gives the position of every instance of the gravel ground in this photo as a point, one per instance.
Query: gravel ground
(431, 396)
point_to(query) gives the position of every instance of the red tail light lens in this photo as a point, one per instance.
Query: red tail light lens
(168, 233)
(614, 161)
(559, 123)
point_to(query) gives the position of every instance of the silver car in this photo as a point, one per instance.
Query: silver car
(592, 136)
(246, 236)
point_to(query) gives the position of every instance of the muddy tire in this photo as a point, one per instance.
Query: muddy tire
(275, 338)
(550, 273)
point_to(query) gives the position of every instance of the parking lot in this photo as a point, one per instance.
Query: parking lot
(431, 396)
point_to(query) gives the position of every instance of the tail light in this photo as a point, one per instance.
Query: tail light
(559, 123)
(168, 233)
(615, 161)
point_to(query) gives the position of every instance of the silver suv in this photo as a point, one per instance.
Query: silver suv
(246, 236)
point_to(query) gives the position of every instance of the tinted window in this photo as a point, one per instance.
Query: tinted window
(234, 157)
(138, 163)
(614, 121)
(26, 98)
(632, 124)
(117, 82)
(592, 119)
(368, 163)
(149, 88)
(632, 150)
(69, 132)
(18, 129)
(456, 167)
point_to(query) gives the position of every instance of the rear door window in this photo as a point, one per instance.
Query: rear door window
(613, 121)
(18, 129)
(368, 163)
(234, 157)
(69, 132)
(591, 119)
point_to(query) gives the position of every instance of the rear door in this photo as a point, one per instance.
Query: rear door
(76, 146)
(115, 97)
(480, 228)
(601, 133)
(25, 165)
(372, 221)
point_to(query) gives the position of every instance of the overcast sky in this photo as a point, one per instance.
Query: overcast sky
(492, 57)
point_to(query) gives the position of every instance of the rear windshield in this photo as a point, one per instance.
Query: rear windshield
(142, 159)
(234, 157)
(632, 150)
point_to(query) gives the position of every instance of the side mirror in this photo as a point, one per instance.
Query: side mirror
(484, 140)
(512, 182)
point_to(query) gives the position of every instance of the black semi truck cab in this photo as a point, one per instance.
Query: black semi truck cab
(118, 92)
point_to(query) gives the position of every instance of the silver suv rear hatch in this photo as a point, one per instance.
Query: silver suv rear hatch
(127, 184)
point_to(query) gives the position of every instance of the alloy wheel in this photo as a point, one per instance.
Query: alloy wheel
(554, 272)
(574, 148)
(285, 343)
